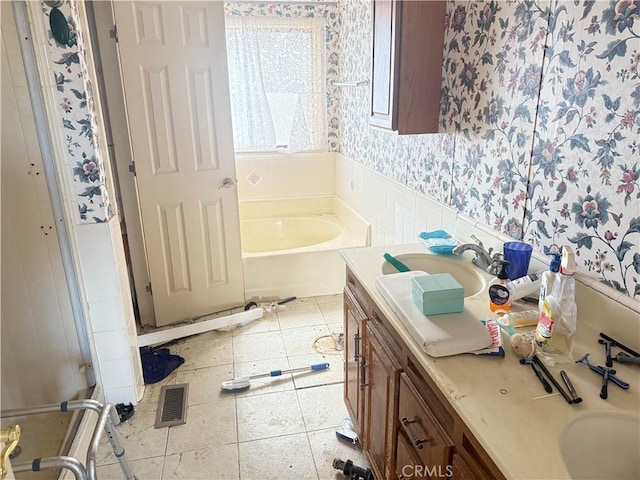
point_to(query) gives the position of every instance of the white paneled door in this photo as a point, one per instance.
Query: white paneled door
(174, 71)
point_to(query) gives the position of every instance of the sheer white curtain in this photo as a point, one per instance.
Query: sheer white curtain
(277, 83)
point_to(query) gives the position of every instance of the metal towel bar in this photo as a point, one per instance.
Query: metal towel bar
(354, 83)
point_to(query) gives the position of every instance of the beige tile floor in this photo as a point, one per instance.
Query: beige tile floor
(281, 428)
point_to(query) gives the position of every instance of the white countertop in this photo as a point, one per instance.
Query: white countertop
(494, 396)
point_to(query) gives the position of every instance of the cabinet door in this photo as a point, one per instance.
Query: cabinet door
(381, 376)
(382, 83)
(429, 442)
(461, 470)
(354, 319)
(408, 44)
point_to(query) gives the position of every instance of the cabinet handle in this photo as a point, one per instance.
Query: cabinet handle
(407, 424)
(363, 371)
(356, 347)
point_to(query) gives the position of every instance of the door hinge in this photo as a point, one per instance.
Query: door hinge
(113, 33)
(148, 288)
(132, 168)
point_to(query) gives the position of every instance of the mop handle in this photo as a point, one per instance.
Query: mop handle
(277, 373)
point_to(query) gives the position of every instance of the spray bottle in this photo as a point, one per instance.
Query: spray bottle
(557, 324)
(548, 278)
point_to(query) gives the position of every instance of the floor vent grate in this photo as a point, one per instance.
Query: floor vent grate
(172, 405)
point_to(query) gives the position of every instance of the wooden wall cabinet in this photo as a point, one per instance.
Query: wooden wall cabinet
(406, 426)
(408, 43)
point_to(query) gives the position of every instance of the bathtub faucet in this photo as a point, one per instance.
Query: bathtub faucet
(484, 258)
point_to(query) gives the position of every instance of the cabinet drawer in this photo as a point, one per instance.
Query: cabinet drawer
(408, 464)
(428, 440)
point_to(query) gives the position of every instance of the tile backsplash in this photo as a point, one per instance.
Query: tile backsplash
(267, 176)
(540, 119)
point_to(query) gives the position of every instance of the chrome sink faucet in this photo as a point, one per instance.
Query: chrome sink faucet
(484, 258)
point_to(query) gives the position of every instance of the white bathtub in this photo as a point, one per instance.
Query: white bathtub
(290, 247)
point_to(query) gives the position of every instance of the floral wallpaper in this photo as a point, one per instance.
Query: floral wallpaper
(540, 114)
(78, 118)
(585, 170)
(328, 11)
(491, 82)
(422, 162)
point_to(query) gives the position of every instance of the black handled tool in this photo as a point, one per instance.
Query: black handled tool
(626, 358)
(605, 382)
(536, 370)
(600, 370)
(616, 343)
(545, 384)
(572, 391)
(552, 378)
(607, 351)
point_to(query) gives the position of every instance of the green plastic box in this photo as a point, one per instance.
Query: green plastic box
(437, 294)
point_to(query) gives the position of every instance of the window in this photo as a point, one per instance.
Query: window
(277, 83)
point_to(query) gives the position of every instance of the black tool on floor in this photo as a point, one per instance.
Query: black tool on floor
(125, 412)
(352, 471)
(286, 300)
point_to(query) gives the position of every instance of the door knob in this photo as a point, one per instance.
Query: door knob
(227, 183)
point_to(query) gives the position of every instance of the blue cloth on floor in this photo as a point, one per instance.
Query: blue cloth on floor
(157, 364)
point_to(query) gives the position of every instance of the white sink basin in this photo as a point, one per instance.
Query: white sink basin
(602, 445)
(466, 274)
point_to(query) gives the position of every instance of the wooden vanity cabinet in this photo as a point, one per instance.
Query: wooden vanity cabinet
(408, 40)
(405, 424)
(354, 318)
(421, 436)
(381, 376)
(460, 470)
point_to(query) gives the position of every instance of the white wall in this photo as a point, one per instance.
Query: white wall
(40, 352)
(285, 175)
(97, 249)
(113, 327)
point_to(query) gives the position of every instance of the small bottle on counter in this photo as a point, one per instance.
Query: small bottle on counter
(498, 294)
(525, 318)
(523, 286)
(507, 293)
